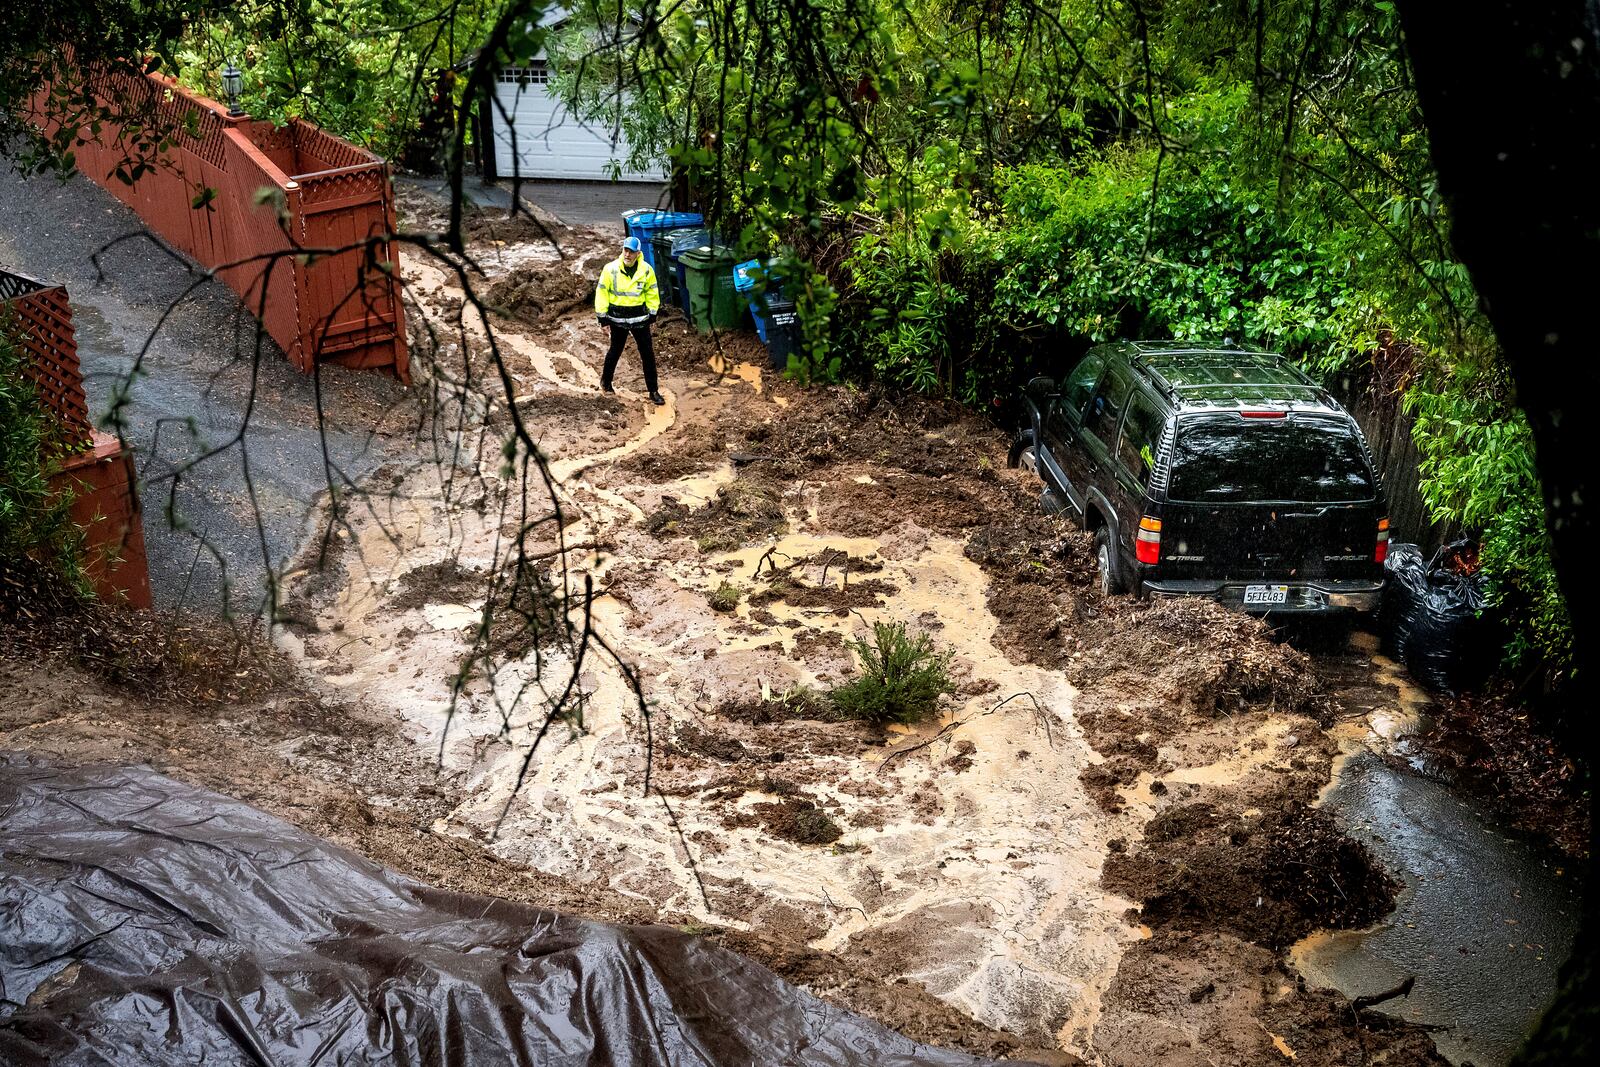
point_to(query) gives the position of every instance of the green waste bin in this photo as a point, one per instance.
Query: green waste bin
(713, 301)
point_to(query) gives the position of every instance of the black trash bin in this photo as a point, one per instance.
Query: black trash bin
(783, 332)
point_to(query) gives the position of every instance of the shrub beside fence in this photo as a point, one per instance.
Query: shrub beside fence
(97, 469)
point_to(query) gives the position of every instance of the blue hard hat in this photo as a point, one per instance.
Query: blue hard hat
(632, 244)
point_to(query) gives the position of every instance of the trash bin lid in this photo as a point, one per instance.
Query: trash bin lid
(746, 274)
(709, 257)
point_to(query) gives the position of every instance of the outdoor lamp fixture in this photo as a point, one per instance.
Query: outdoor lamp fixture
(232, 86)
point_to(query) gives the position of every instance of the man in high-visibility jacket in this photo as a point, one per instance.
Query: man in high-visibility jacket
(626, 301)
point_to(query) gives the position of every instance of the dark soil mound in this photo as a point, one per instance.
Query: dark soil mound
(540, 294)
(1213, 661)
(913, 434)
(840, 598)
(1270, 880)
(1042, 592)
(798, 820)
(741, 514)
(680, 347)
(444, 582)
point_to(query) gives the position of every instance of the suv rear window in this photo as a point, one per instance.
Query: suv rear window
(1226, 458)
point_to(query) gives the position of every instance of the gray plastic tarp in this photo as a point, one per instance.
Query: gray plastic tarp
(146, 921)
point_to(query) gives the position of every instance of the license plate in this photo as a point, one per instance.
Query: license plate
(1266, 594)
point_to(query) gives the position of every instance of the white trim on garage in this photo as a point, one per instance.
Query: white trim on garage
(547, 141)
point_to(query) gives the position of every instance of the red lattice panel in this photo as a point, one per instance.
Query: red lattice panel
(43, 320)
(346, 185)
(321, 150)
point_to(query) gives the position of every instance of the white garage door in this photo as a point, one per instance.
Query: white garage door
(550, 143)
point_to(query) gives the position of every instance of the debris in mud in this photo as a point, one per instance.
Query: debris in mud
(800, 703)
(176, 661)
(1208, 997)
(739, 515)
(680, 347)
(799, 820)
(538, 295)
(1042, 575)
(1270, 879)
(867, 424)
(961, 759)
(789, 589)
(868, 508)
(1501, 751)
(443, 582)
(720, 747)
(1208, 660)
(725, 597)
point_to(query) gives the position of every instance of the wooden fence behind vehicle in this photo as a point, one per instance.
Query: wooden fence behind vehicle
(277, 197)
(1371, 392)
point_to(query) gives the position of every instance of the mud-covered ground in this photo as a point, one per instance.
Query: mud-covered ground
(1099, 845)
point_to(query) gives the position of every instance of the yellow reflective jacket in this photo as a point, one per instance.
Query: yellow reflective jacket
(624, 300)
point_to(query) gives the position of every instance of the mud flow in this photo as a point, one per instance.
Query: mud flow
(1099, 845)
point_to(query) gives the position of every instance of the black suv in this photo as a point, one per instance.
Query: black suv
(1212, 472)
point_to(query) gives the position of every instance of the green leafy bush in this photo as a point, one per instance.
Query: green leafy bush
(34, 522)
(901, 678)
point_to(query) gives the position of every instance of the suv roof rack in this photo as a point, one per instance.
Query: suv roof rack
(1163, 363)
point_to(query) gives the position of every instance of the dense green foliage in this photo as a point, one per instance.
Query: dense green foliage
(960, 196)
(34, 521)
(901, 678)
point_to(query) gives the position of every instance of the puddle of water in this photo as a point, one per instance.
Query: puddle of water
(1483, 923)
(452, 616)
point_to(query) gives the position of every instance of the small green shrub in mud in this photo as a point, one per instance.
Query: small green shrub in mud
(724, 597)
(901, 679)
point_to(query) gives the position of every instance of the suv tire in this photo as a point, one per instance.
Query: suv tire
(1105, 558)
(1024, 452)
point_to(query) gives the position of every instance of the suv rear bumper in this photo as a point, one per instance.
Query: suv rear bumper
(1304, 597)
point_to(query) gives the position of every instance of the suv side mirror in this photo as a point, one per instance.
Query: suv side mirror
(1042, 388)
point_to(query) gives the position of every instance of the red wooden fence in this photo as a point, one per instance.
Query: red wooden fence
(96, 469)
(278, 192)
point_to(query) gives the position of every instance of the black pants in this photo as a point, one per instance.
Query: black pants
(647, 353)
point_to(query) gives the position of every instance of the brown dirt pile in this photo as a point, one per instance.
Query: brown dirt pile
(538, 295)
(680, 347)
(739, 515)
(916, 435)
(176, 661)
(1196, 655)
(1270, 879)
(1041, 591)
(1190, 998)
(789, 588)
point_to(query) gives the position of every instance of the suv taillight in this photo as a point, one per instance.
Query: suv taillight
(1147, 547)
(1381, 552)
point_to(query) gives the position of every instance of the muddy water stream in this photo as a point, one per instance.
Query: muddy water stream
(1485, 918)
(978, 878)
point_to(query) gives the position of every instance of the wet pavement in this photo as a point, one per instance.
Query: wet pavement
(1483, 923)
(199, 379)
(592, 203)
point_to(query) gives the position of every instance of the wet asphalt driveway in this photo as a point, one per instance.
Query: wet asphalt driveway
(200, 389)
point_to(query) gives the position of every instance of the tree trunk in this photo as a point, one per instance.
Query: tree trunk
(1510, 93)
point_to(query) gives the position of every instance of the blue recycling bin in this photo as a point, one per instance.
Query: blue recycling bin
(645, 224)
(747, 278)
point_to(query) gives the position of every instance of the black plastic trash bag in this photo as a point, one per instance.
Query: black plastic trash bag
(144, 921)
(1434, 621)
